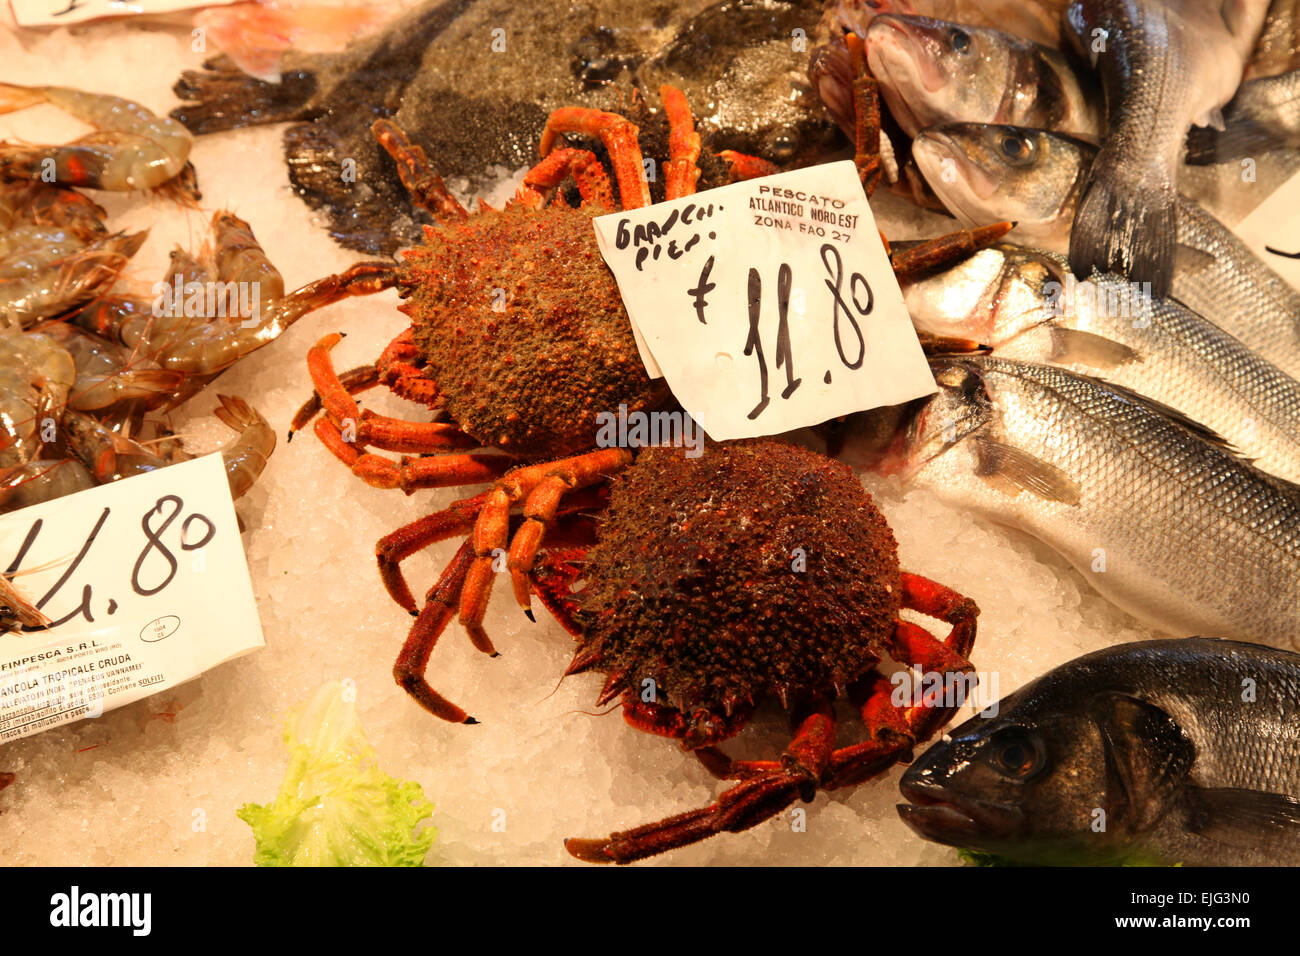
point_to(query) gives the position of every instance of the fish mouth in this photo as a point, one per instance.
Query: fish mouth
(895, 53)
(954, 819)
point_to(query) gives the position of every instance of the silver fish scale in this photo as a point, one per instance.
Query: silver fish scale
(1242, 294)
(1196, 541)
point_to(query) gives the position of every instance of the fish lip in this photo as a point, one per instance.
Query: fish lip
(944, 816)
(896, 52)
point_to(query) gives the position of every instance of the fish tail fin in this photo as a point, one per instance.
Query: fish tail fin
(1128, 229)
(1207, 146)
(221, 97)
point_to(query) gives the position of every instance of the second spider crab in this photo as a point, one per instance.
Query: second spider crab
(518, 339)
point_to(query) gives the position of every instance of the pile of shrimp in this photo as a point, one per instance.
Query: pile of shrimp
(85, 371)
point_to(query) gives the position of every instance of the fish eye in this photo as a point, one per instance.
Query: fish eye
(781, 146)
(1015, 147)
(1016, 754)
(959, 40)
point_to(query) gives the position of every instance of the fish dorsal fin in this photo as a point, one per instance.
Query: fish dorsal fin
(1077, 347)
(1241, 817)
(1012, 471)
(1146, 751)
(1203, 432)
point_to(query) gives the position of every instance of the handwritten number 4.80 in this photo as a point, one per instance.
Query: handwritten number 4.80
(863, 302)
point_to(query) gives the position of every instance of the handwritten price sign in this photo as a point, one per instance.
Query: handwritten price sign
(767, 305)
(1270, 231)
(145, 584)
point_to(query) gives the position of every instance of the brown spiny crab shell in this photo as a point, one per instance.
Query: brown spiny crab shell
(521, 324)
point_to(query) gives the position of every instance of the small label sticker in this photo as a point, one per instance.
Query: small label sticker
(145, 583)
(1273, 233)
(44, 13)
(767, 305)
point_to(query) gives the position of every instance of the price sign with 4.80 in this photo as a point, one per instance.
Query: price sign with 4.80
(767, 305)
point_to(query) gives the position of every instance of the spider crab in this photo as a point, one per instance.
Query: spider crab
(518, 339)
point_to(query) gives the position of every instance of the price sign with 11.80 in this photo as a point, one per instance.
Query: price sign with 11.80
(767, 305)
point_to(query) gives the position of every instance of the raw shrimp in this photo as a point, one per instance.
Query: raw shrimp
(110, 456)
(36, 376)
(107, 374)
(45, 204)
(230, 305)
(16, 611)
(131, 147)
(55, 274)
(42, 479)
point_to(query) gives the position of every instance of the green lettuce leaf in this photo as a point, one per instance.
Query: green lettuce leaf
(335, 806)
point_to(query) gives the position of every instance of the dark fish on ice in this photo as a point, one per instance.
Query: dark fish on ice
(1159, 753)
(1164, 65)
(473, 81)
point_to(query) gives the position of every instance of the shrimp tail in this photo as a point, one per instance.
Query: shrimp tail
(246, 456)
(14, 97)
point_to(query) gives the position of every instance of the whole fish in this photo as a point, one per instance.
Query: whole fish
(1164, 65)
(1159, 517)
(1263, 116)
(473, 82)
(936, 71)
(1028, 306)
(1183, 752)
(984, 173)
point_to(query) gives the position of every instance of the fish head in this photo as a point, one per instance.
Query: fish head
(1019, 786)
(932, 71)
(986, 172)
(989, 297)
(901, 439)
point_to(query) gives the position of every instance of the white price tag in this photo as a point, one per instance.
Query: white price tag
(44, 13)
(769, 304)
(1272, 231)
(146, 585)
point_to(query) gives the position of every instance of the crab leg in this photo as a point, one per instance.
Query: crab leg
(619, 135)
(392, 549)
(581, 164)
(426, 188)
(680, 172)
(399, 371)
(945, 250)
(439, 606)
(491, 530)
(866, 110)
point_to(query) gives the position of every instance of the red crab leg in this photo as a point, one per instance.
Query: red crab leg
(354, 381)
(866, 114)
(743, 166)
(491, 530)
(680, 172)
(618, 134)
(399, 371)
(945, 250)
(739, 808)
(426, 188)
(392, 549)
(439, 606)
(581, 164)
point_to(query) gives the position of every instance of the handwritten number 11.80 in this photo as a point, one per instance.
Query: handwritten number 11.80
(840, 311)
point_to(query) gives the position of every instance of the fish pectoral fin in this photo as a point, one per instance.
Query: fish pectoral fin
(1076, 347)
(1012, 471)
(1146, 752)
(1240, 817)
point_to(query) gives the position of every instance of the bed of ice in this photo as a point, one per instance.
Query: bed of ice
(158, 782)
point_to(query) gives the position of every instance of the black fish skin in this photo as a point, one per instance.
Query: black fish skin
(1190, 747)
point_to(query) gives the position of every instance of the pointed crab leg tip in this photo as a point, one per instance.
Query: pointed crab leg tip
(343, 335)
(528, 613)
(413, 613)
(589, 851)
(470, 720)
(291, 434)
(495, 654)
